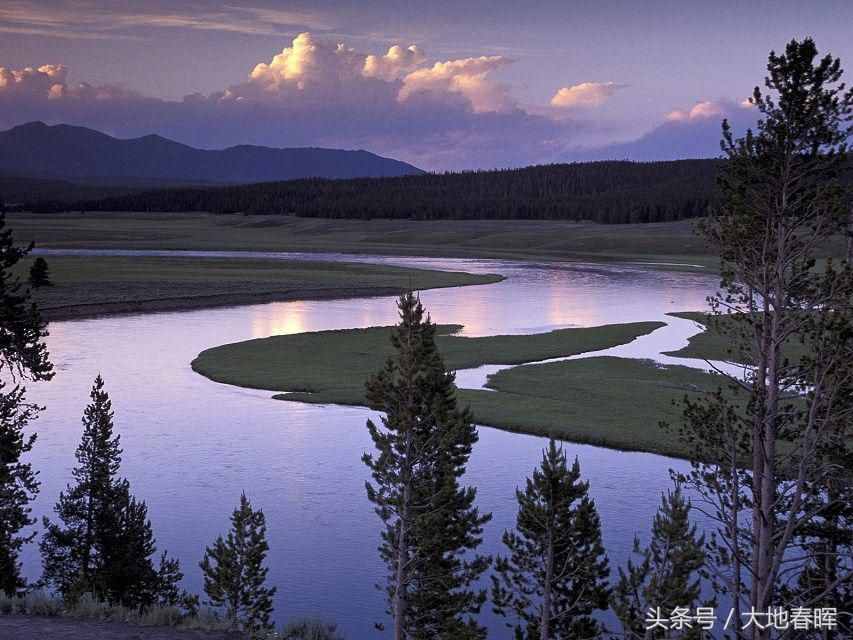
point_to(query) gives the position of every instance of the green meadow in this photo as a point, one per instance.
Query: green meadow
(714, 341)
(614, 402)
(673, 243)
(93, 285)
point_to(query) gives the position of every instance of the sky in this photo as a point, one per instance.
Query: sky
(442, 84)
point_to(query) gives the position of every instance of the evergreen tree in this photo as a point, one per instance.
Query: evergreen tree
(104, 544)
(126, 546)
(668, 575)
(783, 197)
(169, 576)
(23, 353)
(432, 527)
(70, 552)
(18, 487)
(39, 273)
(556, 573)
(234, 571)
(23, 356)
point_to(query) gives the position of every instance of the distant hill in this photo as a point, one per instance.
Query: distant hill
(609, 192)
(86, 156)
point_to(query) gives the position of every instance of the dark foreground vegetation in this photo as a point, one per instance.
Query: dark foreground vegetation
(605, 192)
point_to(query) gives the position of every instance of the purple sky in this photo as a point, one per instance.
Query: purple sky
(467, 84)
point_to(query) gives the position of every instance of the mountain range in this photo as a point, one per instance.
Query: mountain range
(85, 156)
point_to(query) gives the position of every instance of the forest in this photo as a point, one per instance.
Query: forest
(610, 192)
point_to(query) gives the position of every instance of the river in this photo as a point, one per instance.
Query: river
(192, 445)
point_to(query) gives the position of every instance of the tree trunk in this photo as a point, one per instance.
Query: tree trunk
(850, 235)
(764, 535)
(400, 586)
(402, 563)
(545, 622)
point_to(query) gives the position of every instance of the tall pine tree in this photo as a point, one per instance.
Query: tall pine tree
(234, 572)
(18, 487)
(668, 574)
(432, 527)
(23, 356)
(104, 543)
(783, 198)
(555, 575)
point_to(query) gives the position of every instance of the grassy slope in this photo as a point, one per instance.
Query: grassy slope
(332, 366)
(100, 284)
(521, 239)
(615, 402)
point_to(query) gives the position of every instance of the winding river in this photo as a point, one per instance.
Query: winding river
(191, 445)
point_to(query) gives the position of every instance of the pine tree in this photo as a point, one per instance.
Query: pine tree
(234, 571)
(432, 527)
(668, 575)
(18, 487)
(104, 544)
(783, 197)
(126, 545)
(556, 573)
(169, 576)
(39, 273)
(23, 356)
(70, 552)
(23, 352)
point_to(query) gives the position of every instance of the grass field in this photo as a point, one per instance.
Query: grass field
(614, 402)
(673, 243)
(332, 366)
(92, 285)
(714, 341)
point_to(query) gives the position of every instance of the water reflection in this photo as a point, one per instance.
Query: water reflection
(191, 445)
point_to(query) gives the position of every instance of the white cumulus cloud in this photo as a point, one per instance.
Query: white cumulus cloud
(699, 111)
(396, 63)
(468, 77)
(585, 95)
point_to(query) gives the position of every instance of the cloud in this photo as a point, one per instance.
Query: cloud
(49, 82)
(585, 95)
(468, 77)
(394, 64)
(699, 111)
(305, 64)
(67, 20)
(693, 132)
(42, 81)
(451, 114)
(315, 70)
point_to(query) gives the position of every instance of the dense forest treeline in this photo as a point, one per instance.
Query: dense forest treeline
(606, 192)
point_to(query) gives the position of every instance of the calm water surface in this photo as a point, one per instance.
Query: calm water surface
(192, 445)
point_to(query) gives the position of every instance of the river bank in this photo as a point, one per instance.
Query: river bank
(86, 286)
